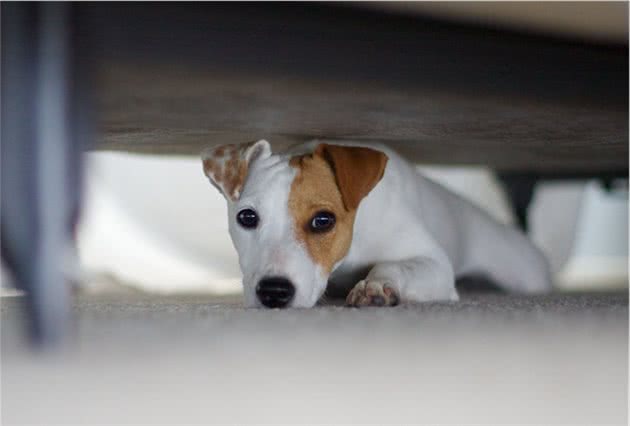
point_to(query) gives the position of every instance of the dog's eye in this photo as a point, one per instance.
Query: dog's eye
(322, 221)
(247, 218)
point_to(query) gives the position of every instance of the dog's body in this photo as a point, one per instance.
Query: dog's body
(396, 235)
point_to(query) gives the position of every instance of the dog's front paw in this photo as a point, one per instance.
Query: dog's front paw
(372, 293)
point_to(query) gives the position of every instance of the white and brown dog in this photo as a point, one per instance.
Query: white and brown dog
(360, 217)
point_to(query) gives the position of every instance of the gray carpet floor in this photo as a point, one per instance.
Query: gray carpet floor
(488, 359)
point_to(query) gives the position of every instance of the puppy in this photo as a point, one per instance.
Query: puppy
(358, 217)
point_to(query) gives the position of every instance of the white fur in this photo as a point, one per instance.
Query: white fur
(271, 249)
(410, 233)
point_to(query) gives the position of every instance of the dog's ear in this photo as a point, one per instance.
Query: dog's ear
(357, 170)
(227, 166)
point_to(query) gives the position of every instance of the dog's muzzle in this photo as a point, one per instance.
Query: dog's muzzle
(275, 292)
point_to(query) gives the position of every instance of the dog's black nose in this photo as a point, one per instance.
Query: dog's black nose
(275, 292)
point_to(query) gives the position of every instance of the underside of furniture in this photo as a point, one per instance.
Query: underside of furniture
(173, 80)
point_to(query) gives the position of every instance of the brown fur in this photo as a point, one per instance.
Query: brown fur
(227, 167)
(335, 179)
(357, 170)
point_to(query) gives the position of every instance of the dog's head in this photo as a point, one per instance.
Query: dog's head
(291, 218)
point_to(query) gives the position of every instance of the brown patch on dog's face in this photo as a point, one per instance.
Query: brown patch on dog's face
(333, 179)
(313, 190)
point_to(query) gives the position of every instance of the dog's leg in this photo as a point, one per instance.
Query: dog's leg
(414, 280)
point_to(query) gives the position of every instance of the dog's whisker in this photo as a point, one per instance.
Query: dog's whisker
(323, 300)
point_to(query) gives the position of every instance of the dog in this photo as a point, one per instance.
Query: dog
(359, 217)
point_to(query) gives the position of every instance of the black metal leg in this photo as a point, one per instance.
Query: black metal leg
(520, 186)
(520, 189)
(40, 159)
